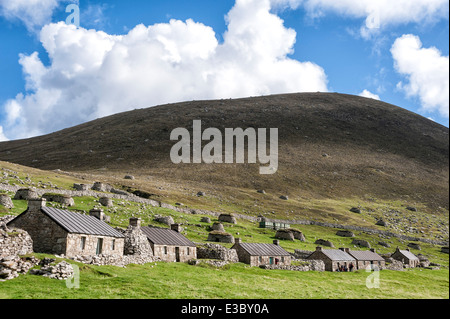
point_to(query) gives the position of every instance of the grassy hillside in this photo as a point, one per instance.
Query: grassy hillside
(335, 151)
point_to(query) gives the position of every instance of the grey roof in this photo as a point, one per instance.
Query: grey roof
(365, 255)
(80, 224)
(337, 254)
(255, 249)
(165, 236)
(409, 255)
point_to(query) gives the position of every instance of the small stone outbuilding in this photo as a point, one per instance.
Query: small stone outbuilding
(256, 254)
(26, 194)
(227, 218)
(63, 232)
(406, 257)
(169, 244)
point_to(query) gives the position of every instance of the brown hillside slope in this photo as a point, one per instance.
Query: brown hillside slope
(374, 150)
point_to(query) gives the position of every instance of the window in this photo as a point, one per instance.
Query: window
(165, 250)
(282, 259)
(83, 243)
(113, 244)
(260, 259)
(188, 251)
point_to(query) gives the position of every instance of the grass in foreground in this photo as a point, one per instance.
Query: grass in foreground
(238, 281)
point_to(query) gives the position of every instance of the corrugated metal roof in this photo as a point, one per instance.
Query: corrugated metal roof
(365, 255)
(409, 255)
(255, 249)
(80, 224)
(337, 254)
(165, 236)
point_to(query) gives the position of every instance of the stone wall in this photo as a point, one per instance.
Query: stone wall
(302, 265)
(136, 243)
(14, 242)
(110, 245)
(6, 201)
(215, 251)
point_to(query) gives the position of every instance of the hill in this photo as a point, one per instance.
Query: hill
(335, 151)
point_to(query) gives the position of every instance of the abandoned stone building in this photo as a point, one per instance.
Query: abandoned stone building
(333, 258)
(365, 258)
(406, 257)
(256, 254)
(169, 244)
(56, 231)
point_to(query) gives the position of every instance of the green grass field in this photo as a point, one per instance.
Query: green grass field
(237, 281)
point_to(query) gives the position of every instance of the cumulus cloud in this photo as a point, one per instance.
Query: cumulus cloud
(33, 13)
(94, 74)
(3, 138)
(377, 14)
(370, 95)
(426, 71)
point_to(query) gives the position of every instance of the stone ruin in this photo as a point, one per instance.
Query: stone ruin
(82, 187)
(14, 241)
(220, 237)
(168, 220)
(12, 266)
(218, 226)
(6, 201)
(106, 201)
(227, 218)
(101, 187)
(345, 233)
(361, 243)
(285, 234)
(290, 234)
(215, 251)
(136, 243)
(26, 194)
(323, 242)
(303, 265)
(59, 198)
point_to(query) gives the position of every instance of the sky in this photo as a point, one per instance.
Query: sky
(59, 68)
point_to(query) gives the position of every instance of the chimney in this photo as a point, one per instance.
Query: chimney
(276, 242)
(343, 249)
(135, 222)
(176, 227)
(237, 240)
(407, 249)
(36, 204)
(373, 250)
(97, 213)
(318, 248)
(347, 250)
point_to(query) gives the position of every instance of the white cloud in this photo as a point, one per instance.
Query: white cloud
(94, 74)
(378, 14)
(33, 13)
(369, 95)
(426, 71)
(3, 138)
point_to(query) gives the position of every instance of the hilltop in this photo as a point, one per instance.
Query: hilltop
(336, 151)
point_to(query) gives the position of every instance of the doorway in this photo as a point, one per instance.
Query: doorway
(177, 254)
(99, 248)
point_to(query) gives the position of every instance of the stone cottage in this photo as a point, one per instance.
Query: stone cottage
(406, 257)
(333, 258)
(365, 258)
(169, 244)
(256, 254)
(56, 231)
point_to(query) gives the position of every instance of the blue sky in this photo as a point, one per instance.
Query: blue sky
(202, 49)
